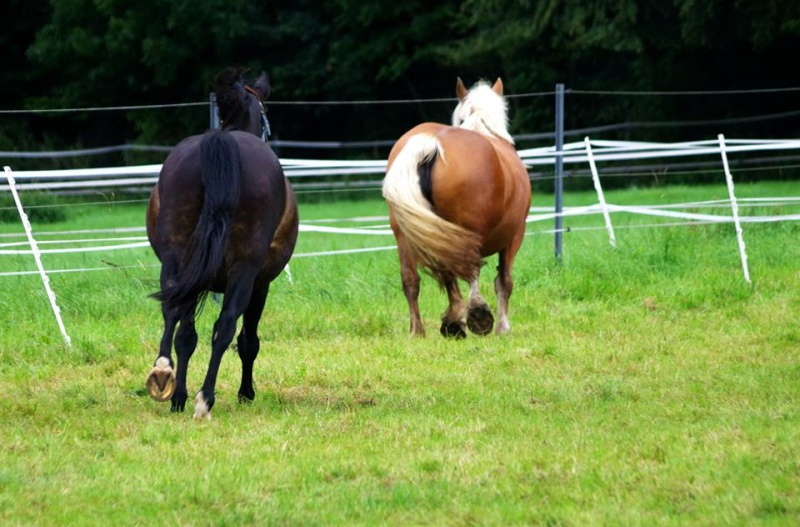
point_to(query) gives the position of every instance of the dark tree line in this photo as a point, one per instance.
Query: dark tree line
(101, 53)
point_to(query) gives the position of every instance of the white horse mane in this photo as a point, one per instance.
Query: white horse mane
(483, 111)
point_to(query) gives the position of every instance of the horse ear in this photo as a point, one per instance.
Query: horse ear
(261, 85)
(498, 87)
(461, 91)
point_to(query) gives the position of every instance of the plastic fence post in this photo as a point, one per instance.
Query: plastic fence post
(734, 208)
(601, 198)
(36, 255)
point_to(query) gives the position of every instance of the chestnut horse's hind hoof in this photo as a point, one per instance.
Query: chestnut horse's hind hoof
(480, 320)
(161, 381)
(453, 330)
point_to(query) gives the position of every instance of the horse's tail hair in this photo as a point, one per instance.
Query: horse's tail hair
(205, 252)
(439, 245)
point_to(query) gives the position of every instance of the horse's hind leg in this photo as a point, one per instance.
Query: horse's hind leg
(237, 296)
(504, 284)
(165, 380)
(479, 316)
(161, 381)
(453, 324)
(247, 344)
(410, 278)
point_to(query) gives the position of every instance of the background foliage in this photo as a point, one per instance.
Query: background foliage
(100, 53)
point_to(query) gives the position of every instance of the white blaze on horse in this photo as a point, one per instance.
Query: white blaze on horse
(456, 195)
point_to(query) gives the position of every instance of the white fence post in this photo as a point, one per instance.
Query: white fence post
(36, 254)
(596, 179)
(734, 208)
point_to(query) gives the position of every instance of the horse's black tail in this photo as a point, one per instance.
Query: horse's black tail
(206, 250)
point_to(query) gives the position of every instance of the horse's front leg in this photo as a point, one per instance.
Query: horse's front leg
(479, 316)
(453, 320)
(248, 344)
(185, 344)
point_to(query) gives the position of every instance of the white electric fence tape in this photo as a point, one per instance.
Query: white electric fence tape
(578, 152)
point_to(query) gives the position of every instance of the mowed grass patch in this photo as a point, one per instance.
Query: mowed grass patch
(643, 385)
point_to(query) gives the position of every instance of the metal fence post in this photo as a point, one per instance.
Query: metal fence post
(214, 113)
(559, 182)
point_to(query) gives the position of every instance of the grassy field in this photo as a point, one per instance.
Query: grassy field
(643, 385)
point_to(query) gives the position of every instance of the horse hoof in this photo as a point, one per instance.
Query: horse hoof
(161, 381)
(246, 398)
(453, 330)
(480, 320)
(202, 408)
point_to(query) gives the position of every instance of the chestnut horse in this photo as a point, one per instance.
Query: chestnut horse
(222, 218)
(457, 194)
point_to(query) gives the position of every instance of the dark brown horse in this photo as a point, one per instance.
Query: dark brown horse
(222, 218)
(456, 195)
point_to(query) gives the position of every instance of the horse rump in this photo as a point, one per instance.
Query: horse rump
(439, 245)
(205, 251)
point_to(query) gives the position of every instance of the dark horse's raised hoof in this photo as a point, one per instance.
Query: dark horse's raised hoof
(480, 320)
(161, 381)
(453, 330)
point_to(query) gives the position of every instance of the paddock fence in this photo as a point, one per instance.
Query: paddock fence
(325, 175)
(596, 159)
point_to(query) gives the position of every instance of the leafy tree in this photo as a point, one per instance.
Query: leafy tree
(97, 53)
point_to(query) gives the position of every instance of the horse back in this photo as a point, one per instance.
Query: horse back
(177, 200)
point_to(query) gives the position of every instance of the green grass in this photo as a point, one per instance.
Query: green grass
(643, 385)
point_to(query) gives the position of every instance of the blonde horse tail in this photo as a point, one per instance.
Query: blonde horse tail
(439, 245)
